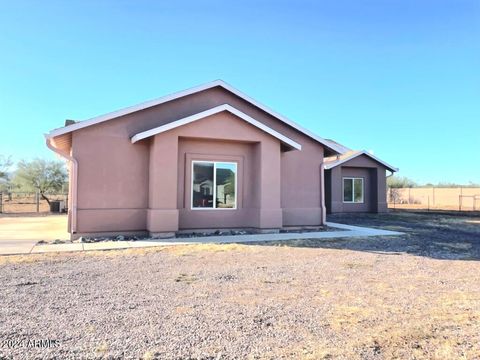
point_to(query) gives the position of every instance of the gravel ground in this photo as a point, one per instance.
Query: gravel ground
(435, 235)
(373, 298)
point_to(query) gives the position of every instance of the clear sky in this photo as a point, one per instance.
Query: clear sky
(399, 77)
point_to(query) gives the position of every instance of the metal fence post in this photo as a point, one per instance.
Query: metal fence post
(38, 201)
(1, 202)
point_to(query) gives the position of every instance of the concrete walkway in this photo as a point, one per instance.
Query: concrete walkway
(345, 231)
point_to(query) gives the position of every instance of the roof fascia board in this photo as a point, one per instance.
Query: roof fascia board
(213, 111)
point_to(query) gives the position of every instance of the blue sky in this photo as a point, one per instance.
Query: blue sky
(401, 78)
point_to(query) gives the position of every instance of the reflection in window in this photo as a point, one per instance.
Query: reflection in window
(358, 190)
(348, 190)
(353, 190)
(202, 185)
(225, 185)
(214, 180)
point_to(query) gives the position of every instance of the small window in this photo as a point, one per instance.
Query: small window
(214, 180)
(353, 190)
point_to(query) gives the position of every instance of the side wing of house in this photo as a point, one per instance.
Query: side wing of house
(356, 182)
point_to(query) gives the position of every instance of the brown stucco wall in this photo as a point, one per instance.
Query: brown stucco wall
(374, 175)
(137, 187)
(112, 180)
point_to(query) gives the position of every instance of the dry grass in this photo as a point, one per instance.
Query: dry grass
(101, 349)
(25, 259)
(175, 250)
(455, 246)
(178, 250)
(196, 249)
(427, 334)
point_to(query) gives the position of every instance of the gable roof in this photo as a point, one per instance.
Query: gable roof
(333, 161)
(164, 99)
(213, 111)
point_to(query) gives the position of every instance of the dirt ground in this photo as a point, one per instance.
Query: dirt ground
(426, 207)
(40, 227)
(18, 233)
(415, 296)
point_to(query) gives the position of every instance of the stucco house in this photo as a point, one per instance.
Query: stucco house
(209, 157)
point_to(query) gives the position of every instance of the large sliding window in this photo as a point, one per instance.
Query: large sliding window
(214, 185)
(352, 190)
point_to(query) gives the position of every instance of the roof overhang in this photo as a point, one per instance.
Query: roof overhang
(334, 163)
(217, 83)
(218, 109)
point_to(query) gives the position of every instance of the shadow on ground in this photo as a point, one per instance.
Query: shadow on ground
(438, 236)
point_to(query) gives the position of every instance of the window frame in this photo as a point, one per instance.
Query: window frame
(214, 184)
(353, 189)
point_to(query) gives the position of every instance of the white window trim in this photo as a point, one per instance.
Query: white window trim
(353, 190)
(214, 185)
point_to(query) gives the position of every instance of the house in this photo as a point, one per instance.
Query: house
(208, 157)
